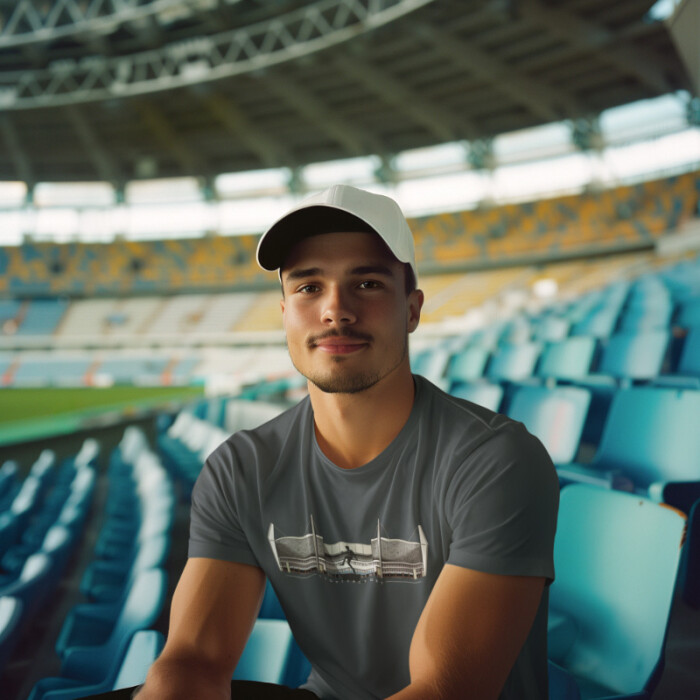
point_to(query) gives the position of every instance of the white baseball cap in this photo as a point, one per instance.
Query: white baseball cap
(340, 208)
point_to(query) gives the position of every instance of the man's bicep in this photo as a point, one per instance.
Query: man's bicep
(472, 630)
(213, 611)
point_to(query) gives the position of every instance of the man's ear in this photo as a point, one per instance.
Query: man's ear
(415, 304)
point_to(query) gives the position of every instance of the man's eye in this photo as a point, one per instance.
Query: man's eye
(308, 289)
(369, 284)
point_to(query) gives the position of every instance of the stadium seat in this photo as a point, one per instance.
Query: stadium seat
(616, 556)
(650, 444)
(33, 584)
(467, 365)
(556, 416)
(635, 356)
(513, 363)
(95, 624)
(125, 671)
(270, 607)
(482, 393)
(690, 564)
(106, 580)
(144, 648)
(568, 359)
(562, 685)
(10, 627)
(267, 653)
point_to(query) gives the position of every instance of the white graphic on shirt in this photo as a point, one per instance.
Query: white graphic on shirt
(383, 558)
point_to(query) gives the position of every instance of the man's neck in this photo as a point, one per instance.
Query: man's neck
(353, 429)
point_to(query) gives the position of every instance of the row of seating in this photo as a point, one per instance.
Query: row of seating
(106, 643)
(39, 532)
(618, 218)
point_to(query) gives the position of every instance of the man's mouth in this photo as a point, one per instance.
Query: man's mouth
(340, 345)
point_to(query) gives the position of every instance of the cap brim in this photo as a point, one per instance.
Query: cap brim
(276, 243)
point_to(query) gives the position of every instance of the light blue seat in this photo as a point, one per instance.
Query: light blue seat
(10, 627)
(271, 607)
(106, 580)
(431, 363)
(635, 356)
(482, 393)
(555, 415)
(568, 359)
(616, 558)
(689, 313)
(513, 363)
(124, 672)
(33, 584)
(93, 624)
(689, 362)
(267, 653)
(467, 365)
(650, 443)
(144, 649)
(562, 685)
(689, 583)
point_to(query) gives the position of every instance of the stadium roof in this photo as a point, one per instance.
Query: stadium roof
(117, 90)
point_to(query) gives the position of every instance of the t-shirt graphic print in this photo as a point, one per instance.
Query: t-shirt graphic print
(382, 559)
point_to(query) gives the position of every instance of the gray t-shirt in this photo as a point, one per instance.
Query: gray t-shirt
(353, 554)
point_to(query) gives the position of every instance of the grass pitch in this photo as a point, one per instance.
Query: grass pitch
(30, 413)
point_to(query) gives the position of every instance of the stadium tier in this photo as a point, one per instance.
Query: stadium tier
(619, 219)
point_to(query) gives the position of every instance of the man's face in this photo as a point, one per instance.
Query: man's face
(345, 311)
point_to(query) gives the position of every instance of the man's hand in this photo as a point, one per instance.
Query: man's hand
(469, 634)
(213, 611)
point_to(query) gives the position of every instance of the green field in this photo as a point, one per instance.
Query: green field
(31, 413)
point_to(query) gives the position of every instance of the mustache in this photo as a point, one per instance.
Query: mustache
(339, 333)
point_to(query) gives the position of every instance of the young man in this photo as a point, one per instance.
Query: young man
(407, 534)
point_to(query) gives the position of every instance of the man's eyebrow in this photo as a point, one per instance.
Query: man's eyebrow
(302, 273)
(377, 269)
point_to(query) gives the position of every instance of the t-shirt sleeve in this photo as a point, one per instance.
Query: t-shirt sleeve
(216, 530)
(502, 506)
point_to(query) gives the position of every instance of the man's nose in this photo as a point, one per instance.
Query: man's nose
(338, 307)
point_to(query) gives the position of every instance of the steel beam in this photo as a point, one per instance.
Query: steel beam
(297, 33)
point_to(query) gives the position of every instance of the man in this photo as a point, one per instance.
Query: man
(407, 534)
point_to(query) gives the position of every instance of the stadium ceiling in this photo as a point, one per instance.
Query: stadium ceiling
(118, 90)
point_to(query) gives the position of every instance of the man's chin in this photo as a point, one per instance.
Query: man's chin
(344, 385)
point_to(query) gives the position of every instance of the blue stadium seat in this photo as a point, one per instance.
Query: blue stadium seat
(562, 685)
(635, 356)
(267, 653)
(513, 363)
(650, 443)
(467, 365)
(124, 671)
(556, 416)
(482, 393)
(271, 608)
(689, 363)
(689, 579)
(33, 584)
(568, 359)
(144, 649)
(106, 580)
(616, 556)
(10, 627)
(94, 637)
(689, 313)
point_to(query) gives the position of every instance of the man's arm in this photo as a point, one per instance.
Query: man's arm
(213, 611)
(469, 634)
